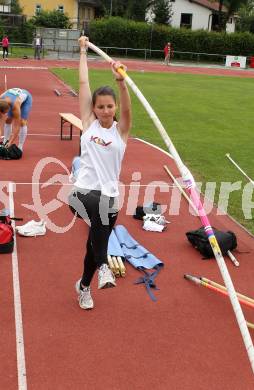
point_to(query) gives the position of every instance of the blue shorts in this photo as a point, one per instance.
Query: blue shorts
(25, 107)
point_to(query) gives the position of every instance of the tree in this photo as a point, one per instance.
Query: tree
(136, 10)
(112, 7)
(162, 11)
(246, 17)
(118, 8)
(131, 9)
(56, 19)
(101, 9)
(245, 24)
(16, 8)
(246, 9)
(232, 7)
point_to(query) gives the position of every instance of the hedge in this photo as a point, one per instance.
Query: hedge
(118, 32)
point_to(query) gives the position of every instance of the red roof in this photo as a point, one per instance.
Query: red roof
(213, 5)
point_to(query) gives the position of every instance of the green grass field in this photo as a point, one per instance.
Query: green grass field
(19, 52)
(205, 117)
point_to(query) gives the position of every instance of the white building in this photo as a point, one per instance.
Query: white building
(196, 15)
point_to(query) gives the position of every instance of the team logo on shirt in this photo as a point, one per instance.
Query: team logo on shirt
(99, 141)
(15, 91)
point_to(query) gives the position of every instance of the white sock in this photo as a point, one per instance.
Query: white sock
(22, 136)
(7, 131)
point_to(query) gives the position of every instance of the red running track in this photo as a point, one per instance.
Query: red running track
(187, 340)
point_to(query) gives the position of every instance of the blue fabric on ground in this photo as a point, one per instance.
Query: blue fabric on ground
(122, 244)
(114, 248)
(136, 254)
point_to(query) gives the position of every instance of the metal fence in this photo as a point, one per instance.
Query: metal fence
(62, 40)
(185, 56)
(70, 49)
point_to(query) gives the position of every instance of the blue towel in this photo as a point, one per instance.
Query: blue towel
(136, 254)
(114, 247)
(121, 243)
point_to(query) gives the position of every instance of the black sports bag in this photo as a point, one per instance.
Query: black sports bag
(14, 153)
(198, 238)
(10, 153)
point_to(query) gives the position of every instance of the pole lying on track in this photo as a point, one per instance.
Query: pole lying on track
(250, 324)
(191, 187)
(217, 289)
(233, 259)
(239, 168)
(244, 297)
(201, 282)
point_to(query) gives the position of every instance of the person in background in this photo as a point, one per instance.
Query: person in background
(5, 46)
(37, 47)
(95, 193)
(15, 106)
(168, 53)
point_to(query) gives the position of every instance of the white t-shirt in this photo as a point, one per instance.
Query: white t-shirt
(18, 92)
(102, 152)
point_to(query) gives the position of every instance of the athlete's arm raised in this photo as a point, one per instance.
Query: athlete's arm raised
(85, 97)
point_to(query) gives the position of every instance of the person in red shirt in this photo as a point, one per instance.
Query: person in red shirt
(168, 53)
(5, 46)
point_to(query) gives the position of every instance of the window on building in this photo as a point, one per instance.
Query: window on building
(37, 9)
(230, 20)
(89, 13)
(61, 8)
(186, 20)
(5, 8)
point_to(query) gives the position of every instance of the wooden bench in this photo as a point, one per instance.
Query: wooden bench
(71, 120)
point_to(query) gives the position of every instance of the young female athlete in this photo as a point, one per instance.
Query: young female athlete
(96, 191)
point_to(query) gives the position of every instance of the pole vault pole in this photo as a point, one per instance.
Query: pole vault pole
(201, 282)
(191, 187)
(230, 254)
(239, 168)
(244, 297)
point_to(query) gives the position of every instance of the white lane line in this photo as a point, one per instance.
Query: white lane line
(21, 362)
(24, 67)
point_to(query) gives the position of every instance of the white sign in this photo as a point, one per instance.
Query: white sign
(236, 62)
(62, 34)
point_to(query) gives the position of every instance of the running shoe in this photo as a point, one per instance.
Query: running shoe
(105, 277)
(85, 299)
(32, 228)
